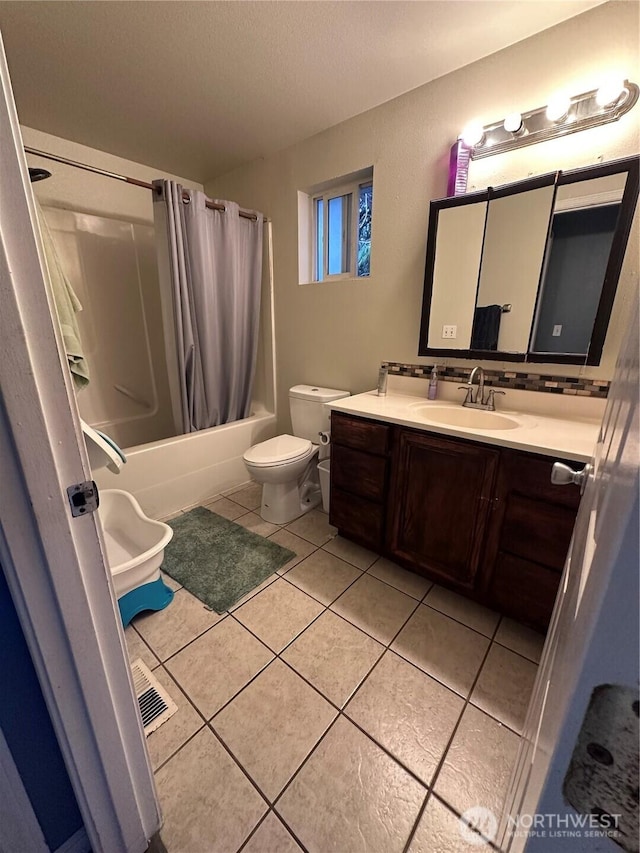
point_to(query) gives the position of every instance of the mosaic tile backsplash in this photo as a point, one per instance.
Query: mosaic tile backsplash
(529, 381)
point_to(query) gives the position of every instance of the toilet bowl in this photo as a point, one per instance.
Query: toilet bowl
(286, 466)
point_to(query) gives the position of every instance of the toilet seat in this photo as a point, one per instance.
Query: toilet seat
(278, 451)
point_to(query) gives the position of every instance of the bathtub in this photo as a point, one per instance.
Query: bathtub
(168, 475)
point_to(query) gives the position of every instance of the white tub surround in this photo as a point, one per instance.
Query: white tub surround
(166, 476)
(550, 427)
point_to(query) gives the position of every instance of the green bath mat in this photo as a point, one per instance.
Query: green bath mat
(219, 561)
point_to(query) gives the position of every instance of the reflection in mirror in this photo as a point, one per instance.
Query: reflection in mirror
(458, 250)
(514, 244)
(583, 226)
(555, 261)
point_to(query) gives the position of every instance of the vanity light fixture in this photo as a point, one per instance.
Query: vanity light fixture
(473, 134)
(560, 116)
(513, 124)
(610, 92)
(558, 108)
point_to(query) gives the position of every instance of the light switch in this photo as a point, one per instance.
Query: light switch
(557, 331)
(449, 331)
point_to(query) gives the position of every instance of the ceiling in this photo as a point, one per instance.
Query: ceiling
(199, 88)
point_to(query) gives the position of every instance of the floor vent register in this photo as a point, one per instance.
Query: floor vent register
(156, 706)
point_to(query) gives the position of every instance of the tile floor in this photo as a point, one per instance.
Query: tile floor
(344, 705)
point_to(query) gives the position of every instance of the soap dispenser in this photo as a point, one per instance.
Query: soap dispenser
(383, 375)
(433, 383)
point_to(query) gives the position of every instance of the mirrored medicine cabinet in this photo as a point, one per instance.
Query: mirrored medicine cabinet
(528, 271)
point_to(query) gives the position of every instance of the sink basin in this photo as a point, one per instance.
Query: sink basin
(466, 418)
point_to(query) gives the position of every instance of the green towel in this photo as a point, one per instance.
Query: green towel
(67, 306)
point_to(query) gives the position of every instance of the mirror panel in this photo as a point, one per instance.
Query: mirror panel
(455, 273)
(551, 247)
(514, 245)
(583, 227)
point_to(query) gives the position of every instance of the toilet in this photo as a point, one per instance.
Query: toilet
(286, 465)
(133, 542)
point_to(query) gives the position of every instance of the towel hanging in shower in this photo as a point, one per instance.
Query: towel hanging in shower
(67, 306)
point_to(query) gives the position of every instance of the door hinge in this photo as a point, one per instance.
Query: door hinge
(83, 498)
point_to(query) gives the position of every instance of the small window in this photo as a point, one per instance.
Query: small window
(342, 231)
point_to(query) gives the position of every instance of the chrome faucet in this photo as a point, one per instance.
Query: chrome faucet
(480, 393)
(479, 401)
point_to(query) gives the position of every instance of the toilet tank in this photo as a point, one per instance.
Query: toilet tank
(308, 415)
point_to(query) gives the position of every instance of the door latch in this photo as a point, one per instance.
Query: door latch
(83, 498)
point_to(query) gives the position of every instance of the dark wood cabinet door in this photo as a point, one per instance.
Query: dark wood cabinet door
(528, 538)
(440, 498)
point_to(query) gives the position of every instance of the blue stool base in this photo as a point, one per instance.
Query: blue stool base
(150, 596)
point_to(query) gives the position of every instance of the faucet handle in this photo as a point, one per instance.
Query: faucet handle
(469, 390)
(491, 397)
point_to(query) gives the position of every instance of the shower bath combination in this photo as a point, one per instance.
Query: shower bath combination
(198, 474)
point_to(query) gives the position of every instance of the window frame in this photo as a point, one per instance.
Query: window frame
(349, 235)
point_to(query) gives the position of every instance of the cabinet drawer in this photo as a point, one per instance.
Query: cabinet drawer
(531, 476)
(537, 531)
(524, 590)
(357, 518)
(359, 434)
(357, 472)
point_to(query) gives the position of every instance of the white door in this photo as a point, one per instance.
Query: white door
(54, 563)
(590, 662)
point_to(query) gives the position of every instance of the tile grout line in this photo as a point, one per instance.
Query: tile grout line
(441, 763)
(341, 711)
(277, 655)
(458, 814)
(280, 820)
(208, 723)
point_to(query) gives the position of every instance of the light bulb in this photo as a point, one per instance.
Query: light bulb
(473, 134)
(513, 123)
(558, 108)
(610, 91)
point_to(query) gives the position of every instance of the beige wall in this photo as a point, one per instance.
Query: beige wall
(336, 334)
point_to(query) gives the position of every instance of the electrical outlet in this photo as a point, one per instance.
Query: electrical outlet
(557, 331)
(449, 331)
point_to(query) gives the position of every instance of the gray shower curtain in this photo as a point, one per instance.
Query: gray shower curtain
(210, 264)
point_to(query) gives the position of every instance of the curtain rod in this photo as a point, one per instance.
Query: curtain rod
(210, 204)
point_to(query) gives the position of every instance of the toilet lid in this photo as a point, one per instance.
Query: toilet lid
(274, 451)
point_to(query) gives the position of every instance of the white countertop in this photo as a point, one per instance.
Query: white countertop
(573, 439)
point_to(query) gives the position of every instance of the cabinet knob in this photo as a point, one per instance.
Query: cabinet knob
(562, 475)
